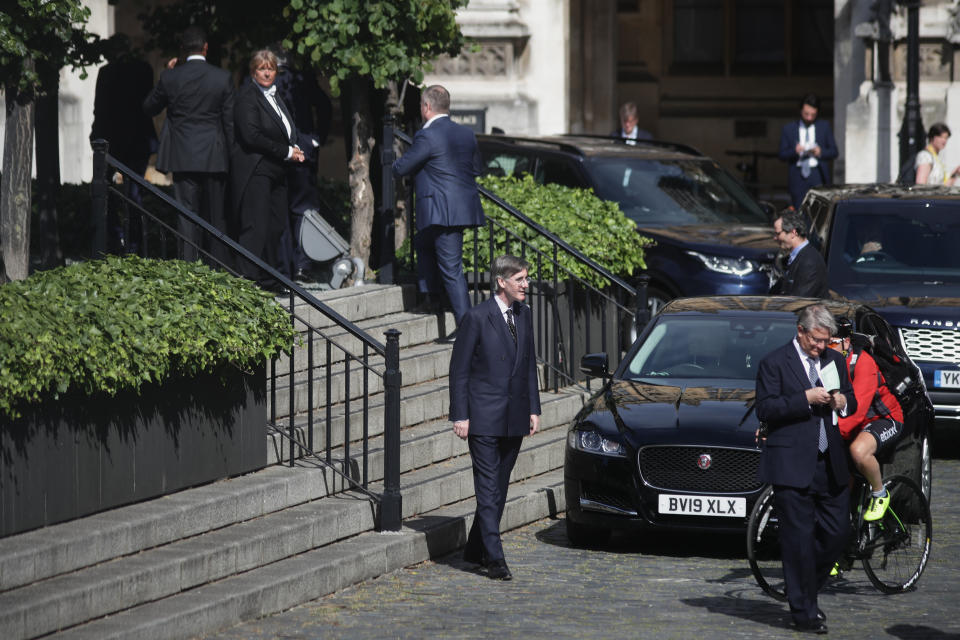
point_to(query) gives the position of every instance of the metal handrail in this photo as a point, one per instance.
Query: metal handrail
(389, 501)
(552, 357)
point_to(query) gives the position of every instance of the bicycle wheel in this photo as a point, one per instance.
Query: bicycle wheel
(763, 546)
(898, 545)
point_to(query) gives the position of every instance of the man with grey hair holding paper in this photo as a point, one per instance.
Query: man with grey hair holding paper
(799, 387)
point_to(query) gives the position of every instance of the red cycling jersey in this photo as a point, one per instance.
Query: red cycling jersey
(874, 400)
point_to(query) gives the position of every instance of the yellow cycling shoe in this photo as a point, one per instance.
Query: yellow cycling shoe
(878, 507)
(835, 571)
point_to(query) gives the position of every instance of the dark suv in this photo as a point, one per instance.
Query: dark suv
(712, 237)
(898, 250)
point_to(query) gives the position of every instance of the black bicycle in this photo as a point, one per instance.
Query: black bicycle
(894, 550)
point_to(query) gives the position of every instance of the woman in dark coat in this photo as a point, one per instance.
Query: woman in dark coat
(265, 139)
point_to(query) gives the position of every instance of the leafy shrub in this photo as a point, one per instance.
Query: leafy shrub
(117, 323)
(595, 227)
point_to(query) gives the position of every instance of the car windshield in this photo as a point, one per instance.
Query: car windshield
(674, 192)
(718, 346)
(888, 241)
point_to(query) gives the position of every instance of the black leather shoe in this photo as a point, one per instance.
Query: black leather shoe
(813, 626)
(498, 570)
(821, 616)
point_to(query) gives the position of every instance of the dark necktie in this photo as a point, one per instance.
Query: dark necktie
(814, 377)
(513, 327)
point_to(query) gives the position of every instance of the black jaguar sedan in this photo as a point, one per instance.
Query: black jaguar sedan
(668, 442)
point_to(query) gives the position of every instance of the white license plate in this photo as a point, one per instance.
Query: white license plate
(703, 506)
(946, 379)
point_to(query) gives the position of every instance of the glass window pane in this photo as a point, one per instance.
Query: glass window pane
(698, 32)
(813, 36)
(759, 34)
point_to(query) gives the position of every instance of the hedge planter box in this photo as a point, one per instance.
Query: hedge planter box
(77, 455)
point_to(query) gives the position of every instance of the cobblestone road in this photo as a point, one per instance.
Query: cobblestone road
(651, 587)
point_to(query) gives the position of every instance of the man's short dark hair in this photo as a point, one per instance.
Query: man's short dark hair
(791, 220)
(816, 316)
(810, 99)
(437, 98)
(506, 266)
(192, 40)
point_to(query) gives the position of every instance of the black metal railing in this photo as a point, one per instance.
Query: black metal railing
(572, 315)
(314, 392)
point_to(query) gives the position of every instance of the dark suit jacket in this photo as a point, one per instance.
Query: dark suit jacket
(493, 382)
(642, 134)
(198, 132)
(790, 136)
(118, 115)
(806, 276)
(789, 454)
(261, 138)
(447, 162)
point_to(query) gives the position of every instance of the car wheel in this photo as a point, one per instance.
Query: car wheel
(582, 535)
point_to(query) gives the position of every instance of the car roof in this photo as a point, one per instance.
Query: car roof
(769, 304)
(597, 146)
(884, 191)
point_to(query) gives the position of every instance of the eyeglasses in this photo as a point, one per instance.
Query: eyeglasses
(519, 281)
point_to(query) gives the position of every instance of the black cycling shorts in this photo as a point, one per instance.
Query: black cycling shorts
(886, 431)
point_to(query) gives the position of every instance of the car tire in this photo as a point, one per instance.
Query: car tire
(582, 535)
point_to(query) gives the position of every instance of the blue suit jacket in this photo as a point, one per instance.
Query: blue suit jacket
(789, 455)
(493, 382)
(790, 135)
(446, 160)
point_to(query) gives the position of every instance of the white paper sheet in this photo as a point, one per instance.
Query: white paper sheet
(830, 378)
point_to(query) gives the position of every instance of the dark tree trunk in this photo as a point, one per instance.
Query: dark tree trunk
(48, 170)
(15, 189)
(401, 195)
(361, 189)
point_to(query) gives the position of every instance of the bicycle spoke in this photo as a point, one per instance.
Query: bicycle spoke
(899, 545)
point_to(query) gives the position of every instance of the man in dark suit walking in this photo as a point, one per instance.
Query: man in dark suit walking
(495, 401)
(628, 129)
(196, 137)
(807, 146)
(805, 272)
(803, 456)
(446, 160)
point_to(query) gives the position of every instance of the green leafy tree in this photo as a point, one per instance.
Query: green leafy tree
(362, 45)
(37, 39)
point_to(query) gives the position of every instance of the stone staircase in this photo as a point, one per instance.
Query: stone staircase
(203, 559)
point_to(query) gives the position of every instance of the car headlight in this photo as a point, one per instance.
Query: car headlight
(723, 264)
(593, 442)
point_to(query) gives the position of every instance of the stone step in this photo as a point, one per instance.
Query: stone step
(415, 329)
(419, 363)
(67, 600)
(318, 572)
(353, 303)
(433, 442)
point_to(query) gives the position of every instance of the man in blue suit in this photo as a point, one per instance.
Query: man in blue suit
(495, 401)
(446, 159)
(807, 146)
(804, 457)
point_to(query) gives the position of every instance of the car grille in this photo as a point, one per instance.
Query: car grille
(932, 344)
(675, 468)
(607, 497)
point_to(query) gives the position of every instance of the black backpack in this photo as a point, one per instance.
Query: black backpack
(895, 373)
(908, 172)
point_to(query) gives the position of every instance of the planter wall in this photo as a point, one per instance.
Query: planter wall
(76, 455)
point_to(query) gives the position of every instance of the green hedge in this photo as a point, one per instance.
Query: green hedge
(117, 323)
(595, 227)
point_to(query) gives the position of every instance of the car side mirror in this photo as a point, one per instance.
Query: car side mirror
(595, 364)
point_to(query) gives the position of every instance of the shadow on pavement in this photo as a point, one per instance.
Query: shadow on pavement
(682, 544)
(765, 611)
(946, 439)
(920, 631)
